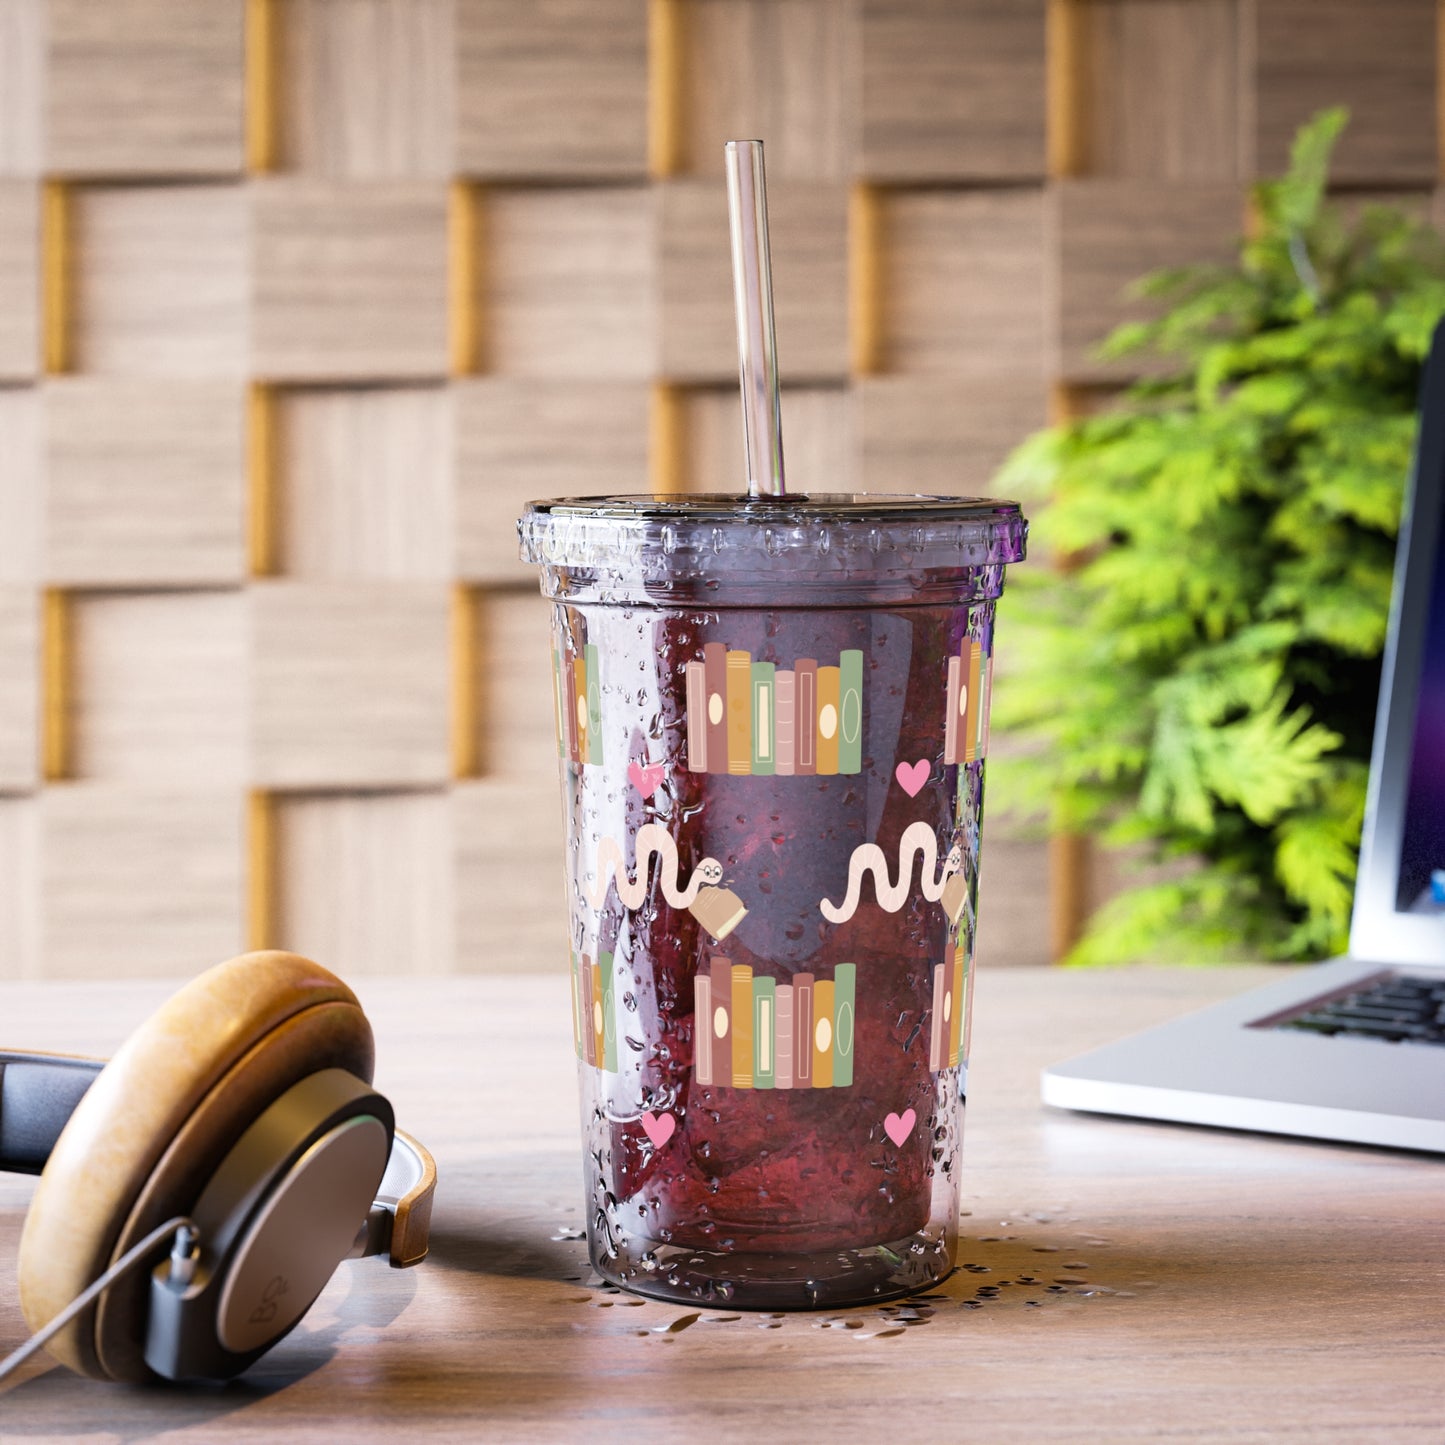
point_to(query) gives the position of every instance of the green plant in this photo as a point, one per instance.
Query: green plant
(1203, 680)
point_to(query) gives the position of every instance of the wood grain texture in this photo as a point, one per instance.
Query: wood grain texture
(143, 481)
(1157, 91)
(514, 689)
(952, 89)
(818, 439)
(1108, 234)
(366, 88)
(158, 688)
(937, 434)
(1245, 1286)
(510, 887)
(808, 237)
(568, 282)
(144, 88)
(364, 483)
(1379, 60)
(20, 955)
(160, 280)
(556, 90)
(366, 881)
(519, 440)
(19, 689)
(783, 70)
(21, 470)
(349, 684)
(350, 279)
(138, 880)
(962, 276)
(19, 280)
(22, 71)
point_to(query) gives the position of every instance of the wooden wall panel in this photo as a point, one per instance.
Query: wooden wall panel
(1158, 89)
(19, 280)
(350, 684)
(21, 495)
(1109, 233)
(818, 442)
(963, 280)
(158, 688)
(144, 87)
(557, 90)
(952, 91)
(364, 483)
(19, 688)
(940, 434)
(510, 895)
(20, 951)
(22, 86)
(1379, 59)
(808, 226)
(139, 881)
(366, 88)
(144, 482)
(368, 883)
(514, 683)
(569, 281)
(159, 280)
(778, 69)
(350, 280)
(521, 440)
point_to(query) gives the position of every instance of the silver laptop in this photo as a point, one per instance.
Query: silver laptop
(1353, 1049)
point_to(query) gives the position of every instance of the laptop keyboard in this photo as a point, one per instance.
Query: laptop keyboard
(1396, 1008)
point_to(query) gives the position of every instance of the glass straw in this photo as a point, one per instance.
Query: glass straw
(753, 298)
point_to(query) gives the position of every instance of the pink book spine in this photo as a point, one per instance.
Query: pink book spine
(783, 1063)
(805, 716)
(785, 730)
(702, 1028)
(950, 717)
(696, 717)
(938, 1032)
(802, 1030)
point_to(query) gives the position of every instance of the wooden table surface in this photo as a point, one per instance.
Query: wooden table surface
(1211, 1285)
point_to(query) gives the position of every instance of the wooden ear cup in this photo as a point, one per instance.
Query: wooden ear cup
(159, 1118)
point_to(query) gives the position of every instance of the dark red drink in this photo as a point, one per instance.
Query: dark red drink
(772, 721)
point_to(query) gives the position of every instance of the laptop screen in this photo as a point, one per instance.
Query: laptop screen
(1399, 912)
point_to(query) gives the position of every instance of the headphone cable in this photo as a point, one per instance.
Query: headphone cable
(183, 1256)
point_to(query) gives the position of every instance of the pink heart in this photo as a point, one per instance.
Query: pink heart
(897, 1128)
(659, 1127)
(913, 775)
(645, 780)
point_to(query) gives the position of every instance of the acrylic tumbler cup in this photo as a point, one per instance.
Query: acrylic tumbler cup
(772, 718)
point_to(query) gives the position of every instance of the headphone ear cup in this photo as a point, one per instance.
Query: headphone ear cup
(147, 1136)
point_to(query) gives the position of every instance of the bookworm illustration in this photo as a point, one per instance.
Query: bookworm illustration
(949, 887)
(970, 683)
(760, 719)
(719, 910)
(577, 699)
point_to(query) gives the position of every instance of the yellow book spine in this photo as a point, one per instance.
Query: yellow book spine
(742, 1021)
(740, 712)
(823, 1024)
(830, 691)
(970, 723)
(955, 1024)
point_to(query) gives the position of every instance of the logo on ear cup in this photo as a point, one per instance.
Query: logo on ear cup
(265, 1312)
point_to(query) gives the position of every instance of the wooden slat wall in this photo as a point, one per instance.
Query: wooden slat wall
(301, 299)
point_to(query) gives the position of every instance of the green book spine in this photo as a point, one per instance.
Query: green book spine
(764, 759)
(845, 984)
(594, 706)
(576, 1007)
(765, 1032)
(609, 1019)
(850, 710)
(559, 695)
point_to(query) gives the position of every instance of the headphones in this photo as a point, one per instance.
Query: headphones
(244, 1106)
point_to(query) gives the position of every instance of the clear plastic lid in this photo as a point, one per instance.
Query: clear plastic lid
(801, 550)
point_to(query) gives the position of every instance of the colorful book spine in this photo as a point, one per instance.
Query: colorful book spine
(764, 701)
(558, 702)
(576, 1006)
(594, 705)
(985, 703)
(609, 1018)
(803, 1030)
(845, 977)
(742, 1021)
(937, 1030)
(806, 723)
(697, 717)
(739, 712)
(967, 1008)
(589, 1045)
(702, 1039)
(850, 711)
(823, 1034)
(783, 1068)
(829, 698)
(950, 717)
(569, 704)
(599, 1017)
(955, 1022)
(579, 694)
(765, 1020)
(785, 682)
(722, 1021)
(970, 724)
(714, 661)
